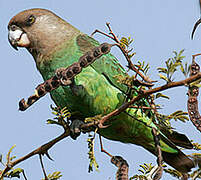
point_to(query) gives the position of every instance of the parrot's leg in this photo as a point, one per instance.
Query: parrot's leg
(102, 149)
(118, 161)
(75, 128)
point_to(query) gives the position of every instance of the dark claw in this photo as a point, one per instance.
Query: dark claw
(49, 157)
(75, 128)
(101, 126)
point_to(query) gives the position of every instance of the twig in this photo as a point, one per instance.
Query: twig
(196, 174)
(147, 93)
(24, 175)
(41, 151)
(144, 107)
(159, 170)
(125, 53)
(41, 162)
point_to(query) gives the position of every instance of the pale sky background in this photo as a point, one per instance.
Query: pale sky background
(158, 27)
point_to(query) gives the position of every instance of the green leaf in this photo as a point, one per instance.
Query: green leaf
(50, 121)
(54, 176)
(14, 173)
(9, 152)
(163, 77)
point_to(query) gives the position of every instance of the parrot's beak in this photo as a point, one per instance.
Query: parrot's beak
(18, 38)
(195, 26)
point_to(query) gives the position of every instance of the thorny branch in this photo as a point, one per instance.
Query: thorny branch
(42, 150)
(146, 93)
(125, 53)
(42, 165)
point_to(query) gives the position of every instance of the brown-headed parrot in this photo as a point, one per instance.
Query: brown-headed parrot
(55, 44)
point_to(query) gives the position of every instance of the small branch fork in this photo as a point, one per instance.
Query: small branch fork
(112, 36)
(42, 150)
(147, 93)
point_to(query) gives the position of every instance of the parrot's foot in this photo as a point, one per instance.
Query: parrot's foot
(101, 126)
(75, 128)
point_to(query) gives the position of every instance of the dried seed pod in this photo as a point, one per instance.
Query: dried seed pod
(63, 76)
(55, 83)
(105, 48)
(48, 86)
(22, 105)
(41, 90)
(83, 61)
(32, 99)
(90, 57)
(76, 68)
(123, 167)
(69, 73)
(192, 102)
(97, 52)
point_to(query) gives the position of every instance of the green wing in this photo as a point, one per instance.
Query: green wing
(107, 65)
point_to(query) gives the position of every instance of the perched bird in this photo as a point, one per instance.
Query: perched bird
(55, 44)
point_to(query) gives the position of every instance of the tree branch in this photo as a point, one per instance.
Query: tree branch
(125, 53)
(147, 93)
(40, 151)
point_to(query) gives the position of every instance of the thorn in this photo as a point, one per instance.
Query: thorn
(48, 156)
(101, 126)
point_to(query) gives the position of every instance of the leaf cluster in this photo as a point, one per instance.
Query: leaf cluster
(93, 119)
(197, 146)
(177, 116)
(125, 44)
(54, 176)
(172, 65)
(145, 169)
(13, 172)
(142, 66)
(62, 116)
(194, 175)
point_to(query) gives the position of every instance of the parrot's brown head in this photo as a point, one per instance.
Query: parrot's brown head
(39, 30)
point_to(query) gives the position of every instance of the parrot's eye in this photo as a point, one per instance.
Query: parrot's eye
(31, 19)
(13, 27)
